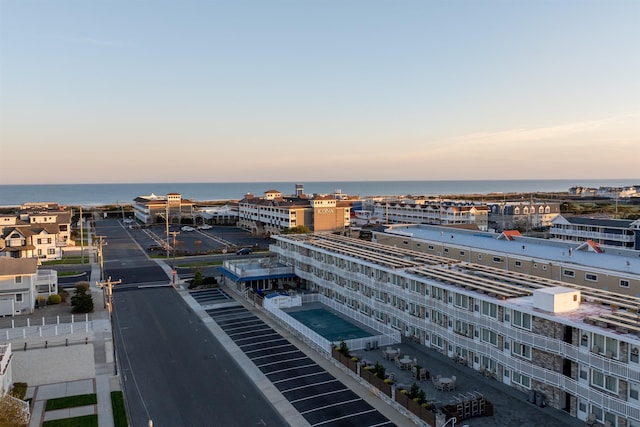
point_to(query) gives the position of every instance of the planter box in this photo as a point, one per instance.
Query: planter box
(488, 408)
(414, 407)
(428, 416)
(402, 398)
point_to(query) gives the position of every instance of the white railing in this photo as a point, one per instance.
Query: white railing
(5, 355)
(44, 329)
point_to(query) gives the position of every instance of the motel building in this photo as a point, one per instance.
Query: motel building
(573, 346)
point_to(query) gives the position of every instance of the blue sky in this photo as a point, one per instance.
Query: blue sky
(301, 90)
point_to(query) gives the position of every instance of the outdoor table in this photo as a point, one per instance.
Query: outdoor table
(390, 354)
(405, 362)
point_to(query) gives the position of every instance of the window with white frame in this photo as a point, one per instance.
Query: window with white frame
(18, 297)
(436, 293)
(462, 301)
(624, 283)
(18, 279)
(604, 345)
(634, 391)
(489, 336)
(436, 341)
(520, 379)
(591, 277)
(462, 327)
(522, 350)
(489, 309)
(521, 320)
(487, 363)
(568, 273)
(603, 416)
(605, 382)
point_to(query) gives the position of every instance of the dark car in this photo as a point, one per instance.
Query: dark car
(152, 248)
(243, 251)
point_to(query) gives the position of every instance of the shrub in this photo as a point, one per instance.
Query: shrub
(64, 295)
(343, 349)
(83, 285)
(19, 390)
(81, 301)
(41, 301)
(55, 299)
(379, 370)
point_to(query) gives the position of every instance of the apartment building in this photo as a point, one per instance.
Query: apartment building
(604, 232)
(575, 346)
(581, 264)
(424, 211)
(274, 213)
(523, 215)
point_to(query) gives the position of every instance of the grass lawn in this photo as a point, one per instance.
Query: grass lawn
(85, 421)
(68, 260)
(198, 264)
(119, 412)
(71, 401)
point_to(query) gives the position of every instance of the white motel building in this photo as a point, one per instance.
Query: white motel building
(576, 345)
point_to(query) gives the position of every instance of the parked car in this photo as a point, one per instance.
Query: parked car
(187, 228)
(152, 248)
(204, 227)
(243, 251)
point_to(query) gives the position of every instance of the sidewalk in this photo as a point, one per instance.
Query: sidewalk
(85, 366)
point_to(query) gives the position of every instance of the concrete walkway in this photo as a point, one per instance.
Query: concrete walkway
(85, 366)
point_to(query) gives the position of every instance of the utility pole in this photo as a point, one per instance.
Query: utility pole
(109, 284)
(173, 267)
(166, 221)
(101, 261)
(81, 238)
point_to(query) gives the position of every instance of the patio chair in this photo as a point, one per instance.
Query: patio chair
(424, 375)
(452, 386)
(398, 364)
(414, 372)
(591, 419)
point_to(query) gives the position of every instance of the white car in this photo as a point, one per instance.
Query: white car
(187, 228)
(205, 227)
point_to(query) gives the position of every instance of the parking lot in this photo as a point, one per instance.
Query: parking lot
(188, 240)
(315, 393)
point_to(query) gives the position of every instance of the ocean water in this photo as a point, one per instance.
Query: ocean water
(113, 194)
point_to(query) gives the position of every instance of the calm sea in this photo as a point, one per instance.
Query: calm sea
(108, 194)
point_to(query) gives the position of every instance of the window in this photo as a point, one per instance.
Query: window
(591, 277)
(604, 345)
(18, 279)
(462, 301)
(520, 379)
(479, 257)
(518, 264)
(521, 350)
(497, 259)
(490, 337)
(446, 250)
(521, 320)
(624, 283)
(489, 309)
(436, 341)
(462, 327)
(436, 293)
(569, 273)
(461, 253)
(634, 391)
(605, 382)
(18, 297)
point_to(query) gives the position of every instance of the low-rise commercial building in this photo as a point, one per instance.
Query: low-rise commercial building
(604, 232)
(424, 211)
(153, 209)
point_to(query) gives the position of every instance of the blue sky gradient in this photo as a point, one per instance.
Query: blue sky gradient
(299, 90)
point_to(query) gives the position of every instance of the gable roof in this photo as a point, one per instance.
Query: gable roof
(18, 266)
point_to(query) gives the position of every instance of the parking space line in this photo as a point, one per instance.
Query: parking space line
(279, 362)
(277, 346)
(276, 354)
(313, 396)
(331, 406)
(299, 376)
(344, 417)
(309, 385)
(261, 342)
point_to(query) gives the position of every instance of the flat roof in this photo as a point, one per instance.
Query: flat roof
(622, 261)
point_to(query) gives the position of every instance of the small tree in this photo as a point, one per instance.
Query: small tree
(81, 301)
(344, 349)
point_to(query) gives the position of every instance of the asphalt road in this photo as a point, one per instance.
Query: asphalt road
(173, 370)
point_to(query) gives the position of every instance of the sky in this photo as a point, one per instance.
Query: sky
(305, 90)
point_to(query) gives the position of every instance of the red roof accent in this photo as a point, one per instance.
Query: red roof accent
(594, 246)
(510, 234)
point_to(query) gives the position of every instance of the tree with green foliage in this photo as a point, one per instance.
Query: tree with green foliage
(82, 301)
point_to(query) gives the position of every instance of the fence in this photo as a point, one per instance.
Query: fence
(46, 327)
